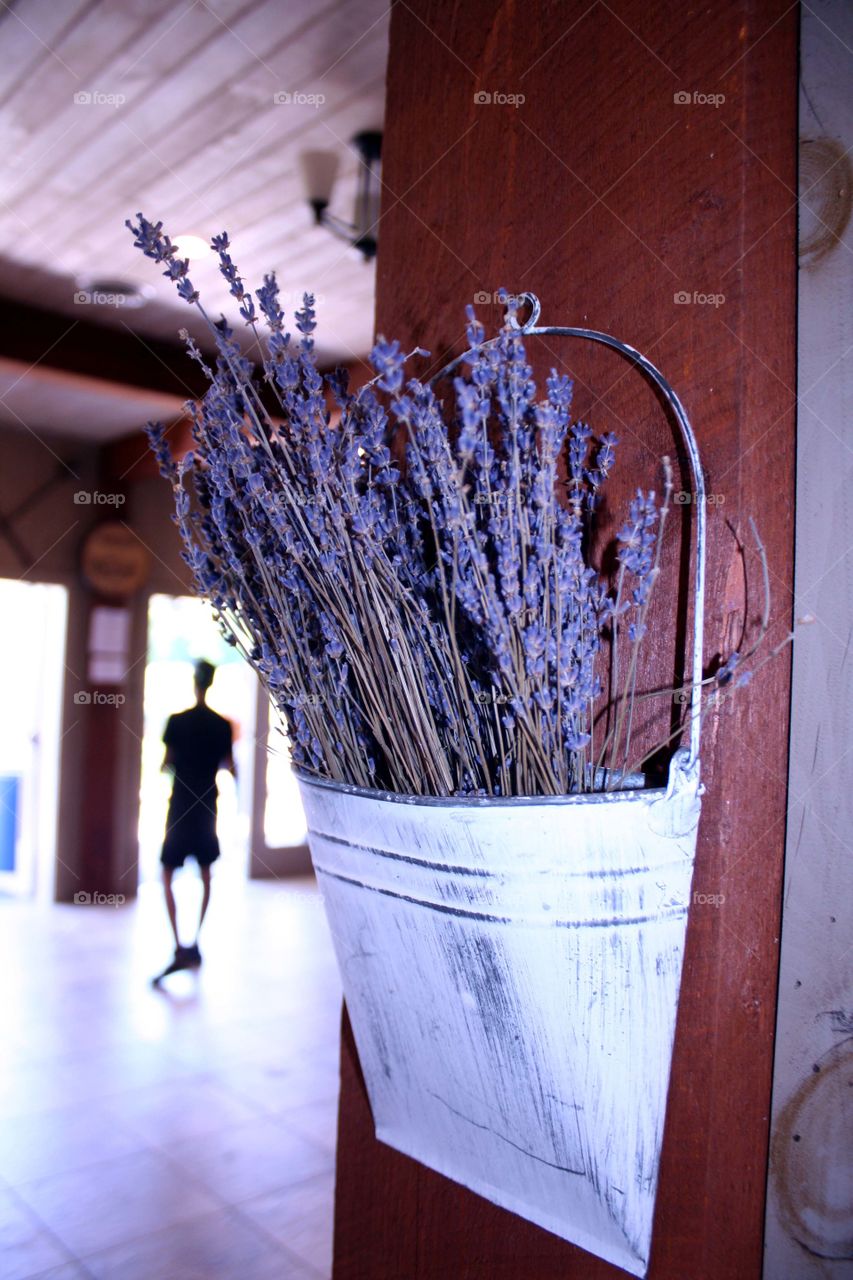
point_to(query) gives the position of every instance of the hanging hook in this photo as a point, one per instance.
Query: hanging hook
(511, 314)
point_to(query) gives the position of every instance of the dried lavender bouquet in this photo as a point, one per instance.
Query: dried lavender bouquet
(427, 625)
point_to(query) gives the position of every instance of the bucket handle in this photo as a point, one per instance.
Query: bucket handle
(531, 328)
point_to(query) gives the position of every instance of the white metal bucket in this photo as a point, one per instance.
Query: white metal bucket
(511, 969)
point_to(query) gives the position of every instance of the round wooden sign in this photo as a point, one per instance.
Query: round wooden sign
(113, 560)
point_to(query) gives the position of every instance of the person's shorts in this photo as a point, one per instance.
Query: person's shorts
(177, 848)
(190, 833)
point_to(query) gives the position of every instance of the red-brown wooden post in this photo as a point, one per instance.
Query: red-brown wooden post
(652, 159)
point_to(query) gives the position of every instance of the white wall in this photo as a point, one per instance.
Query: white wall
(810, 1190)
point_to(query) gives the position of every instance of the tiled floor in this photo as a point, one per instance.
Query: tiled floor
(180, 1134)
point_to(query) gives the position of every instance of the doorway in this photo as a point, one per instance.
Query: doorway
(32, 669)
(181, 630)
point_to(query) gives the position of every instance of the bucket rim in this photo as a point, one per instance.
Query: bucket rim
(628, 795)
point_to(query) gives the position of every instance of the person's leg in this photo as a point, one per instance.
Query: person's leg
(205, 896)
(193, 951)
(183, 955)
(168, 872)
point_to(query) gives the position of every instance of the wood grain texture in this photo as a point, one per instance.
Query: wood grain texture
(607, 198)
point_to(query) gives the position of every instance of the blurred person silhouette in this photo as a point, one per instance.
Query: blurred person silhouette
(199, 743)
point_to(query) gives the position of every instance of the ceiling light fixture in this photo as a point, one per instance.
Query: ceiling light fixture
(196, 248)
(320, 169)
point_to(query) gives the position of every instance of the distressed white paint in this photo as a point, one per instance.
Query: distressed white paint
(810, 1191)
(511, 969)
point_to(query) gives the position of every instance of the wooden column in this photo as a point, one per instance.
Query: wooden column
(644, 186)
(100, 726)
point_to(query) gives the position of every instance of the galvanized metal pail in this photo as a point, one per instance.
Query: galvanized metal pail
(511, 970)
(511, 967)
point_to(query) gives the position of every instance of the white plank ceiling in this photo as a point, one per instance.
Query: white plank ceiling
(110, 106)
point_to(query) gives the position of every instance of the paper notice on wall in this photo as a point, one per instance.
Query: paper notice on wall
(109, 645)
(109, 630)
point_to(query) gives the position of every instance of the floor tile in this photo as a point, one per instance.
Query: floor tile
(179, 1109)
(132, 1118)
(280, 1083)
(26, 1248)
(61, 1141)
(298, 1216)
(315, 1120)
(220, 1246)
(71, 1271)
(116, 1200)
(84, 1077)
(249, 1159)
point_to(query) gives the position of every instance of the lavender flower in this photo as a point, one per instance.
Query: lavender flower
(423, 616)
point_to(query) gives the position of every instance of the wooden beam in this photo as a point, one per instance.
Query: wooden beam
(154, 401)
(644, 185)
(45, 340)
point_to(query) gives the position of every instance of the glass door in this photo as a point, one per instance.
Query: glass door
(32, 669)
(181, 630)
